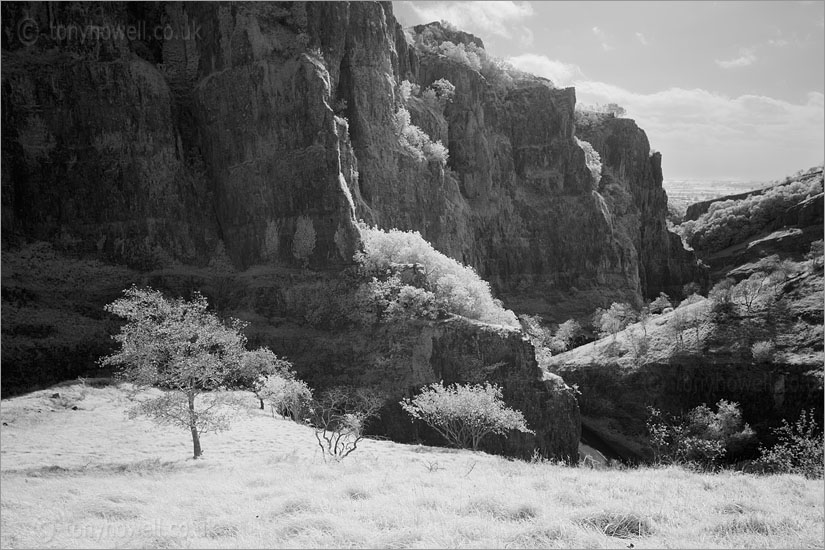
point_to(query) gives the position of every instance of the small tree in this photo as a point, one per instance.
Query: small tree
(816, 255)
(286, 395)
(691, 288)
(763, 352)
(644, 319)
(616, 318)
(748, 291)
(661, 303)
(303, 245)
(799, 448)
(444, 90)
(615, 109)
(638, 344)
(568, 332)
(186, 351)
(465, 414)
(254, 367)
(700, 436)
(677, 324)
(721, 298)
(339, 417)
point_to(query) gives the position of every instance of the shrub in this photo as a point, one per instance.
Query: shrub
(456, 288)
(700, 436)
(638, 344)
(339, 417)
(592, 160)
(408, 89)
(465, 414)
(763, 352)
(255, 366)
(460, 54)
(610, 109)
(614, 319)
(816, 255)
(412, 303)
(799, 448)
(721, 297)
(691, 288)
(660, 303)
(568, 333)
(444, 90)
(690, 300)
(286, 395)
(415, 141)
(544, 343)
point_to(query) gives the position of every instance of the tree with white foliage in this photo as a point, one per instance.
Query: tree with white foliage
(185, 350)
(465, 414)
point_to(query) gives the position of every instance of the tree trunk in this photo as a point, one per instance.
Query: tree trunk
(196, 440)
(262, 403)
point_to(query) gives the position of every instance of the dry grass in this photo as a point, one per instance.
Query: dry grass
(90, 478)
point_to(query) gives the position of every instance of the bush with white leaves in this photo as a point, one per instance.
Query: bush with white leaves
(465, 414)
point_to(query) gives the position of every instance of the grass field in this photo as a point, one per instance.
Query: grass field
(91, 478)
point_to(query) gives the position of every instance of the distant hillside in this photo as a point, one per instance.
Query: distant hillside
(697, 209)
(783, 219)
(683, 193)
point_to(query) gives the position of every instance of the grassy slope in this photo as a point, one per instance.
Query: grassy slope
(91, 478)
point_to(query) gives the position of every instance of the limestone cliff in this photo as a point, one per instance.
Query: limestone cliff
(632, 185)
(224, 136)
(186, 159)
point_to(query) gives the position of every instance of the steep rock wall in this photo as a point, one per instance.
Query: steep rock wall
(632, 183)
(223, 139)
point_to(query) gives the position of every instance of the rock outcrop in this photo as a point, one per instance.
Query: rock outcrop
(632, 185)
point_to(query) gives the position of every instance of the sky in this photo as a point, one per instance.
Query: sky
(724, 90)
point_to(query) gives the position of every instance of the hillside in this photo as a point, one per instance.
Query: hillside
(783, 219)
(701, 352)
(263, 484)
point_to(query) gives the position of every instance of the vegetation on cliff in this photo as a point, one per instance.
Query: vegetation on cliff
(444, 282)
(732, 221)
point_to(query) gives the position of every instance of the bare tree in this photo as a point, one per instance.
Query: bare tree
(339, 417)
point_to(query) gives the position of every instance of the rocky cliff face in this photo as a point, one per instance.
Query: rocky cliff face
(147, 151)
(201, 143)
(632, 184)
(225, 134)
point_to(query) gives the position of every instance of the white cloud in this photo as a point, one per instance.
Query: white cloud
(600, 34)
(705, 134)
(641, 38)
(482, 18)
(779, 42)
(702, 132)
(746, 57)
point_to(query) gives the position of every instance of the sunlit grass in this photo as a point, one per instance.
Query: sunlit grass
(91, 478)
